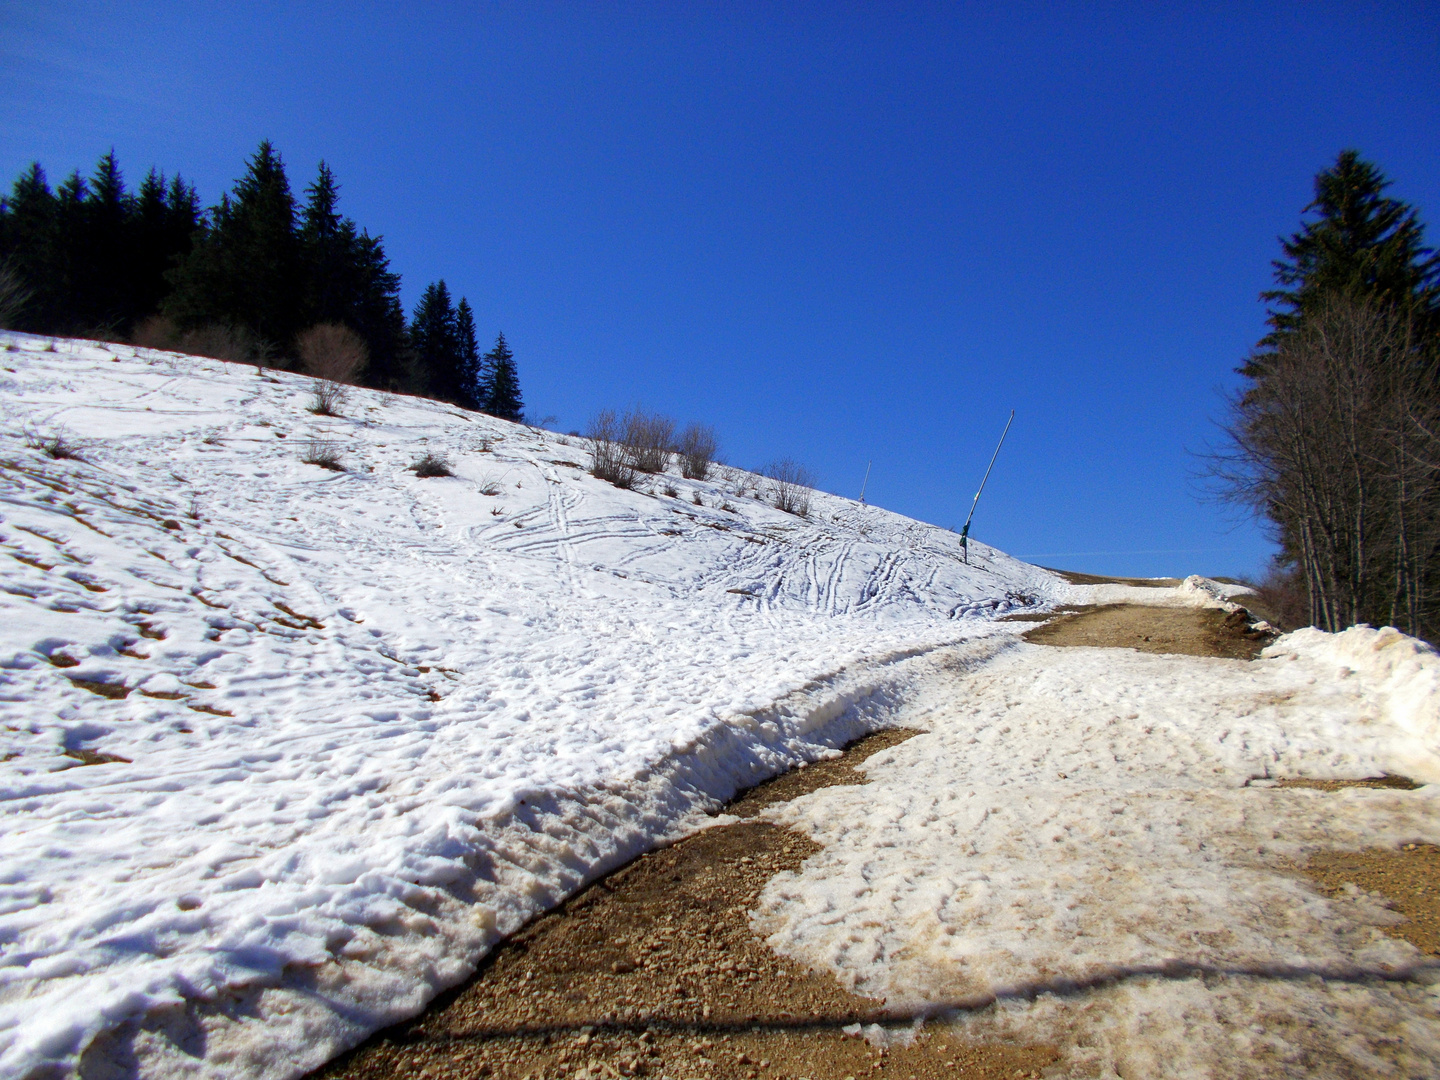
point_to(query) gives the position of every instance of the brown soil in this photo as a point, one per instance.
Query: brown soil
(1191, 631)
(1408, 879)
(1339, 785)
(1074, 577)
(654, 971)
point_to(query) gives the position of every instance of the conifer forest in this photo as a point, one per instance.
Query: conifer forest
(244, 279)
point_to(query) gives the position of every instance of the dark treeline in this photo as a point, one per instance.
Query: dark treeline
(241, 280)
(1335, 439)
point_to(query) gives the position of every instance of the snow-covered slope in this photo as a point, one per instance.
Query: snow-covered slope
(284, 750)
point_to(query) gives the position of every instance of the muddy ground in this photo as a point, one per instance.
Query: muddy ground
(654, 971)
(1191, 631)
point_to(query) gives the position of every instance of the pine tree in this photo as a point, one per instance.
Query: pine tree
(1336, 432)
(27, 245)
(435, 340)
(66, 270)
(348, 279)
(1362, 244)
(247, 267)
(166, 219)
(105, 285)
(504, 398)
(475, 395)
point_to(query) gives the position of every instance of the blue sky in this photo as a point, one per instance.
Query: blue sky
(837, 232)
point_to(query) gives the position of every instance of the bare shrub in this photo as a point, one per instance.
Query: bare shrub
(432, 464)
(327, 398)
(697, 447)
(222, 341)
(649, 439)
(156, 332)
(790, 484)
(333, 352)
(1338, 445)
(57, 445)
(324, 453)
(1281, 598)
(609, 457)
(13, 296)
(670, 491)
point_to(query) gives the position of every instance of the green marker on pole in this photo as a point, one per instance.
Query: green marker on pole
(965, 532)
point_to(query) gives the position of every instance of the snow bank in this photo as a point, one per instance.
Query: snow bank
(283, 751)
(1400, 684)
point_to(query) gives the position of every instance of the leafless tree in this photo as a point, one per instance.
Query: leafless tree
(334, 354)
(1335, 444)
(649, 440)
(609, 459)
(697, 447)
(790, 484)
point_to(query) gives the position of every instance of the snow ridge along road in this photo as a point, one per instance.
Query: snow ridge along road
(285, 750)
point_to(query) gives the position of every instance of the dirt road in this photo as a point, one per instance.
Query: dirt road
(655, 971)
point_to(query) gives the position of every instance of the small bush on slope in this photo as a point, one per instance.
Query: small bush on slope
(324, 453)
(697, 447)
(649, 439)
(790, 484)
(432, 464)
(609, 458)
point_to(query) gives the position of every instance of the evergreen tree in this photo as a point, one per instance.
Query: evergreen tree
(27, 245)
(246, 269)
(348, 278)
(103, 259)
(504, 398)
(66, 263)
(165, 221)
(476, 396)
(379, 318)
(1335, 434)
(435, 341)
(1361, 244)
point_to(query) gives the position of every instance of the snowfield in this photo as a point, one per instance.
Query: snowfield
(284, 751)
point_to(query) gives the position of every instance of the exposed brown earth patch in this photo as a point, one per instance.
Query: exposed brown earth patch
(1074, 577)
(655, 971)
(1399, 782)
(1185, 630)
(1408, 879)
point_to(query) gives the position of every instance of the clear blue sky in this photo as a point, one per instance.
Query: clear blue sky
(838, 232)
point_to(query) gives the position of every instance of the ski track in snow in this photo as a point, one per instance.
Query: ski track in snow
(284, 752)
(370, 723)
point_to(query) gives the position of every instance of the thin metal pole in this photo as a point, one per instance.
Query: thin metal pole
(866, 483)
(965, 532)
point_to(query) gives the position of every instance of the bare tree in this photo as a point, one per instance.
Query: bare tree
(332, 351)
(1335, 445)
(790, 484)
(334, 354)
(649, 440)
(697, 447)
(609, 458)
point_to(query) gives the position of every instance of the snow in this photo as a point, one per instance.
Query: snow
(1087, 847)
(351, 728)
(284, 752)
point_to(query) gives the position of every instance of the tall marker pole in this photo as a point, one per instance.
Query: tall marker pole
(965, 532)
(866, 483)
